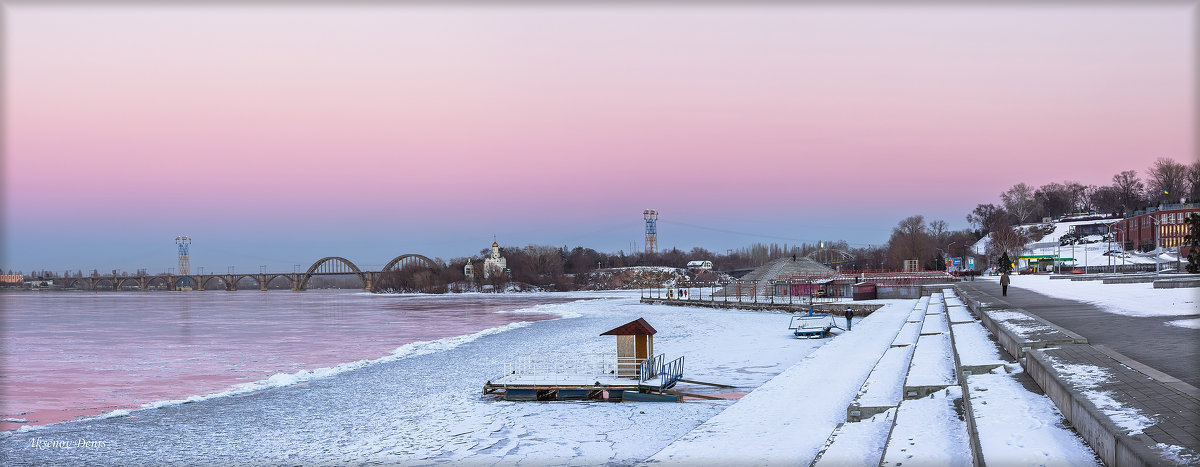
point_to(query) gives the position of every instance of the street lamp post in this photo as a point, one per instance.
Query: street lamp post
(1153, 218)
(950, 250)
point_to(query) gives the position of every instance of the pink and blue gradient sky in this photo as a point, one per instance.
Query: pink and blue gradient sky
(276, 135)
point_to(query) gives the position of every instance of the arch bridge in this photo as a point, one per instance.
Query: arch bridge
(298, 281)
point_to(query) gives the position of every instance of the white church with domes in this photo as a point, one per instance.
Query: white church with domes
(494, 263)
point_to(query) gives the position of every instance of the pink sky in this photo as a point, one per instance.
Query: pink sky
(282, 134)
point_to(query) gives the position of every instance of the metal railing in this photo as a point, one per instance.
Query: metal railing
(573, 367)
(650, 368)
(668, 374)
(816, 321)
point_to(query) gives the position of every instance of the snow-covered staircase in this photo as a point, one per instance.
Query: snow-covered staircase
(884, 387)
(870, 415)
(930, 425)
(942, 395)
(1008, 424)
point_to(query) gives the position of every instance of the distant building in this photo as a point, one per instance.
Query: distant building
(705, 265)
(494, 264)
(1165, 225)
(1083, 230)
(469, 271)
(40, 284)
(12, 280)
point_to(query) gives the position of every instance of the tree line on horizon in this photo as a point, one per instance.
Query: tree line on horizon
(914, 237)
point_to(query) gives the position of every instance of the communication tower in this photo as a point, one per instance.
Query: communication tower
(651, 217)
(183, 242)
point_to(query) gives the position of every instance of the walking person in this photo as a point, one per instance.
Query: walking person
(849, 316)
(1004, 280)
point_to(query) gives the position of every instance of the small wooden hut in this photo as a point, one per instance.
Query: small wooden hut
(635, 342)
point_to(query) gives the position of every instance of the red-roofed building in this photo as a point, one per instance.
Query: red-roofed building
(635, 342)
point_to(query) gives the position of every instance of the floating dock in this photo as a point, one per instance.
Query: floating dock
(595, 377)
(633, 373)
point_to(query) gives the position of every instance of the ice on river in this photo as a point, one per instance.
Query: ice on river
(427, 407)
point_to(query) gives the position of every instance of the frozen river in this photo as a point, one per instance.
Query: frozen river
(68, 355)
(421, 403)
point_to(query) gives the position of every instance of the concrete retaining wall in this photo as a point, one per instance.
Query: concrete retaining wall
(1176, 283)
(1130, 280)
(1109, 441)
(1105, 437)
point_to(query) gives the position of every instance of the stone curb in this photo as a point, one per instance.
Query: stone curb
(1108, 440)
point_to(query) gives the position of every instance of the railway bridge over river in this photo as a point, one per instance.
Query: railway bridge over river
(327, 266)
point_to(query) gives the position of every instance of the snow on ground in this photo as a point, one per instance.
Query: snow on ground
(885, 386)
(1140, 299)
(1193, 323)
(1085, 254)
(1093, 254)
(426, 407)
(973, 345)
(908, 334)
(1178, 454)
(1017, 427)
(858, 443)
(958, 314)
(1087, 378)
(928, 431)
(935, 323)
(932, 363)
(788, 419)
(1060, 229)
(1019, 323)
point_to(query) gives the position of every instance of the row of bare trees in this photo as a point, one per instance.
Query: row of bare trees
(1167, 181)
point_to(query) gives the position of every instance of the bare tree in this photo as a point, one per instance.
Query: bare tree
(1019, 201)
(1193, 179)
(1103, 199)
(1167, 180)
(984, 215)
(1006, 239)
(910, 240)
(1129, 189)
(1059, 199)
(1076, 194)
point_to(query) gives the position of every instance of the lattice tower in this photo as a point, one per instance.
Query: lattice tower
(651, 217)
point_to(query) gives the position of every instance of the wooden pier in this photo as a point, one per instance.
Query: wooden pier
(633, 373)
(594, 377)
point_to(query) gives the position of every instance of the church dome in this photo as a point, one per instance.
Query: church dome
(495, 245)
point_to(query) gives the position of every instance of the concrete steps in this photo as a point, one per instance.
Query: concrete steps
(933, 425)
(1007, 424)
(942, 394)
(932, 367)
(883, 388)
(871, 414)
(930, 431)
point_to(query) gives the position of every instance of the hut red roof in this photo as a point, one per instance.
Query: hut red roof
(633, 328)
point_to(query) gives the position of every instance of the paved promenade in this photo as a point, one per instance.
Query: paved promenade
(1170, 349)
(1143, 412)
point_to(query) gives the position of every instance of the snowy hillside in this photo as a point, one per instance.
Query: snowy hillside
(1092, 250)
